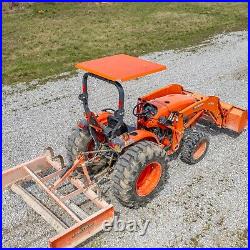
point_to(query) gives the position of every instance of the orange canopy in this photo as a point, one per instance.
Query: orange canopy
(120, 67)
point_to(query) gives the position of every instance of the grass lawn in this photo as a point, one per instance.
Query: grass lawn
(45, 39)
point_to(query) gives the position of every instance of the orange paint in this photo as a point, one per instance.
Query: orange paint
(148, 179)
(200, 150)
(102, 117)
(120, 67)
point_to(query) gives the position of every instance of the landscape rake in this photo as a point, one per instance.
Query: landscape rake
(45, 169)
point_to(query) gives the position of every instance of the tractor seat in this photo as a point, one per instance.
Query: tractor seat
(112, 122)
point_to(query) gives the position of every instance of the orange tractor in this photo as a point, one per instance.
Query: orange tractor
(165, 121)
(136, 159)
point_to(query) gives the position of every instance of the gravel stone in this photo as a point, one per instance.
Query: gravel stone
(204, 205)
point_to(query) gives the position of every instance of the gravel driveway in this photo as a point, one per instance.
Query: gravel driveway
(204, 205)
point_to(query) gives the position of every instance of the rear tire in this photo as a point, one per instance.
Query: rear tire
(77, 142)
(81, 141)
(139, 174)
(195, 146)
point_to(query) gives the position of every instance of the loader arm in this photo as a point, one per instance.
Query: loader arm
(209, 105)
(191, 114)
(224, 115)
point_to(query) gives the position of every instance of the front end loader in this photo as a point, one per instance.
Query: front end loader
(102, 145)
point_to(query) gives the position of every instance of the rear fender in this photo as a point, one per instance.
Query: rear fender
(127, 139)
(101, 117)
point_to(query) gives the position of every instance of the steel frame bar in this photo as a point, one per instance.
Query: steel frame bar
(85, 225)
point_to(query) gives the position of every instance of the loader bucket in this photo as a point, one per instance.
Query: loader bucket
(235, 118)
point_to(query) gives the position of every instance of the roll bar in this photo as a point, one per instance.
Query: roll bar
(119, 113)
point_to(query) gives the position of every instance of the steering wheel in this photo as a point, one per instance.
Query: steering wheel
(138, 114)
(108, 109)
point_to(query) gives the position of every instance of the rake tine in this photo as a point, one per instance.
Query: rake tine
(49, 152)
(59, 159)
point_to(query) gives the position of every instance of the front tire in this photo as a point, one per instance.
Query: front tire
(195, 146)
(139, 174)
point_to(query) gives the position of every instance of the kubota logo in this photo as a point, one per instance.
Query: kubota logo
(82, 229)
(198, 106)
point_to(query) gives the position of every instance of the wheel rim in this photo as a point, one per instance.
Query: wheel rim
(148, 178)
(200, 150)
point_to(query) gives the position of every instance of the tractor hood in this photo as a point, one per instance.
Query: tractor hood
(173, 102)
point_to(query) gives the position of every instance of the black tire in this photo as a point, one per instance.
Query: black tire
(129, 167)
(78, 142)
(192, 141)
